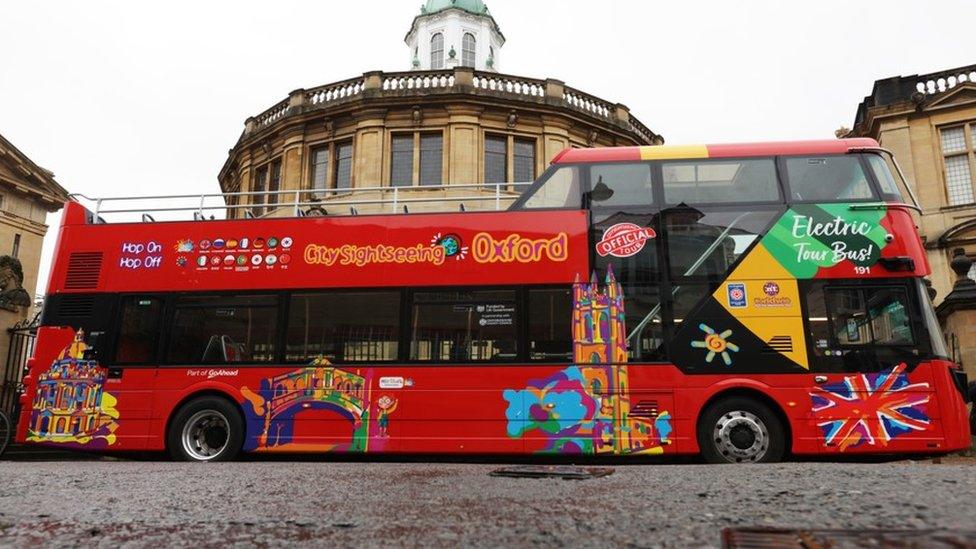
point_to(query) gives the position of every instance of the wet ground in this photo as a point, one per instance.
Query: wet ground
(148, 503)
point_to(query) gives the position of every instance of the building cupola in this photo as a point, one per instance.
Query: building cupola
(464, 27)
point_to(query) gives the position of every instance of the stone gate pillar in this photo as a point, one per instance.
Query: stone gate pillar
(957, 314)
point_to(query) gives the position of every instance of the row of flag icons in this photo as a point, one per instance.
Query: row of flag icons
(241, 260)
(245, 243)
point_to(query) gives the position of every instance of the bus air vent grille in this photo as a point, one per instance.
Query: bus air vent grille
(645, 409)
(76, 306)
(84, 271)
(779, 344)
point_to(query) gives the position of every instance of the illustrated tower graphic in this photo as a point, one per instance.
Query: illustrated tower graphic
(600, 351)
(599, 333)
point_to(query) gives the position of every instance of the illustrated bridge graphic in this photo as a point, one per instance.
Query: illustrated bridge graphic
(310, 388)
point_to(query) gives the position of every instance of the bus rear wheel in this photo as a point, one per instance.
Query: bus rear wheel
(741, 430)
(206, 429)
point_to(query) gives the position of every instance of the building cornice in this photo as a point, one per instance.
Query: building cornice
(901, 94)
(37, 183)
(442, 14)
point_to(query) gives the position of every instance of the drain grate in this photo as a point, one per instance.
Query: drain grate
(763, 538)
(565, 472)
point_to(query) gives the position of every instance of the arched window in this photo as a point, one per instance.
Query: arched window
(467, 49)
(437, 51)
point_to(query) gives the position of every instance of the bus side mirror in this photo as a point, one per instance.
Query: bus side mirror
(601, 192)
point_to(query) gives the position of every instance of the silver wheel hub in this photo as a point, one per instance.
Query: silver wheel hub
(740, 436)
(205, 435)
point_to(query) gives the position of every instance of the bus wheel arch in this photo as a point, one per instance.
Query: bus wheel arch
(760, 413)
(206, 425)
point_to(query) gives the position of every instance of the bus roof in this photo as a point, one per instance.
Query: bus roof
(724, 150)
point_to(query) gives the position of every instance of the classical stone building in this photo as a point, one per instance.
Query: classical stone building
(28, 193)
(929, 122)
(452, 120)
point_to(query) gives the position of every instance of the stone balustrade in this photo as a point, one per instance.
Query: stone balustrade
(941, 81)
(460, 80)
(509, 85)
(331, 93)
(911, 90)
(419, 81)
(587, 103)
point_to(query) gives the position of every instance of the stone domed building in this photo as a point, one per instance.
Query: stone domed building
(453, 132)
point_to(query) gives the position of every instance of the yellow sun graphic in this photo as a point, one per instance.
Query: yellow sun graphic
(717, 344)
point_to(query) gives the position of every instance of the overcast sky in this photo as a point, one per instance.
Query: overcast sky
(123, 98)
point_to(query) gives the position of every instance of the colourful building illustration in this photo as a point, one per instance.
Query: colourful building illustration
(272, 408)
(71, 404)
(586, 407)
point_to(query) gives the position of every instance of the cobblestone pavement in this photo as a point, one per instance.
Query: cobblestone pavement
(107, 503)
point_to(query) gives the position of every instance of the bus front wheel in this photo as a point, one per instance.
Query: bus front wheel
(208, 428)
(741, 430)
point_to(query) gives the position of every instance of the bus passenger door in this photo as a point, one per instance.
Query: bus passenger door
(81, 397)
(871, 389)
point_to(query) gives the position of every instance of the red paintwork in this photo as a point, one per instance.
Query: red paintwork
(822, 146)
(899, 223)
(389, 230)
(726, 150)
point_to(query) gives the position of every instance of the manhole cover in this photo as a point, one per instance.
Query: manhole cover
(565, 472)
(750, 538)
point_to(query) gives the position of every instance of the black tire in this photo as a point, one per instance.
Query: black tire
(741, 430)
(211, 428)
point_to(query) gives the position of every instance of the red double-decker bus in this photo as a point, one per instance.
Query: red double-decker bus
(746, 302)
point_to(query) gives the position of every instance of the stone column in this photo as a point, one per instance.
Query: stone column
(464, 78)
(292, 168)
(555, 90)
(555, 137)
(464, 135)
(368, 148)
(957, 314)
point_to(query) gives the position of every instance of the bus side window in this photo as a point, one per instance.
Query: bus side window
(343, 326)
(827, 179)
(860, 328)
(720, 181)
(139, 330)
(885, 177)
(621, 185)
(223, 329)
(561, 189)
(550, 320)
(464, 326)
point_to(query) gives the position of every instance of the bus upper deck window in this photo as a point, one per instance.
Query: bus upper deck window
(827, 179)
(885, 176)
(620, 184)
(720, 181)
(560, 190)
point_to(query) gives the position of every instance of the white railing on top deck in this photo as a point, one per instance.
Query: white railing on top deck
(306, 202)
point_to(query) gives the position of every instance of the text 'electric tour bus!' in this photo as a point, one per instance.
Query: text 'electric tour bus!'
(744, 302)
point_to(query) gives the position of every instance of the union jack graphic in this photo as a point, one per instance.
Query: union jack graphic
(870, 408)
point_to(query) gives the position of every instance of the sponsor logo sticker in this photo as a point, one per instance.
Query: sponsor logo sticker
(391, 383)
(737, 294)
(772, 298)
(624, 240)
